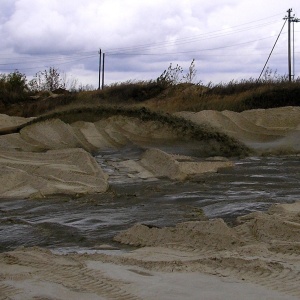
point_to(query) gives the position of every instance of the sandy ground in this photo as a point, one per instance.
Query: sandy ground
(257, 259)
(272, 131)
(50, 157)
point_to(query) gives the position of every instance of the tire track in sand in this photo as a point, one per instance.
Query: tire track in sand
(62, 270)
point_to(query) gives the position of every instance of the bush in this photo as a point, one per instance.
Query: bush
(277, 96)
(13, 88)
(47, 80)
(131, 91)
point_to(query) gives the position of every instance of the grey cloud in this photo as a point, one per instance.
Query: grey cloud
(51, 32)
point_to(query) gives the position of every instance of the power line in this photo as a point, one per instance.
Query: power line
(45, 64)
(141, 50)
(186, 40)
(208, 35)
(271, 51)
(185, 52)
(37, 60)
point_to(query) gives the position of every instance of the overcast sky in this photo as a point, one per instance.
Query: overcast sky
(229, 39)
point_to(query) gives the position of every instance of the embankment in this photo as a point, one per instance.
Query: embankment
(274, 131)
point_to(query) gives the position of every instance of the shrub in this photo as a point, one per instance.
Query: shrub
(131, 91)
(47, 80)
(13, 87)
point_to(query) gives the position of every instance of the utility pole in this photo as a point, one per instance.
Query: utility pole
(103, 71)
(290, 19)
(289, 44)
(99, 68)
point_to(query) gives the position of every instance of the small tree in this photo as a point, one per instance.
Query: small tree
(171, 76)
(14, 81)
(47, 80)
(12, 87)
(191, 74)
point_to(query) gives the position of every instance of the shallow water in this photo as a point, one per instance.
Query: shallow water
(72, 224)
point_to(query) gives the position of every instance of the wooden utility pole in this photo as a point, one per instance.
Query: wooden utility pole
(100, 57)
(103, 71)
(290, 19)
(289, 45)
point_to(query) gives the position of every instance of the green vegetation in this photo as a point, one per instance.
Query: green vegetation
(13, 88)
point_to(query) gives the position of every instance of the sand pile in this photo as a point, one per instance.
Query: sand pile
(155, 163)
(256, 128)
(34, 173)
(112, 132)
(256, 259)
(70, 171)
(265, 130)
(10, 122)
(282, 117)
(263, 248)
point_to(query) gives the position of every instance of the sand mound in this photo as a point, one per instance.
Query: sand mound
(192, 235)
(70, 171)
(155, 163)
(281, 117)
(53, 134)
(265, 130)
(112, 132)
(162, 164)
(257, 259)
(269, 130)
(10, 122)
(118, 131)
(264, 248)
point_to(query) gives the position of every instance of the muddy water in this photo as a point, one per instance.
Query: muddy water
(73, 224)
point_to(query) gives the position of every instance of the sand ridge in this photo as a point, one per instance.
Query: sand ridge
(111, 132)
(264, 130)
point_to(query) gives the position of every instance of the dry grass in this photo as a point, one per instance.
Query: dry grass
(234, 96)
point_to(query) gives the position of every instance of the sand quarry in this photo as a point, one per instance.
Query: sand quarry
(258, 258)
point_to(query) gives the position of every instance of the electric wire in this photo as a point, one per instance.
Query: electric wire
(140, 50)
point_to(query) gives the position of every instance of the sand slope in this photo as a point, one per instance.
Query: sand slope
(265, 130)
(258, 259)
(9, 122)
(29, 172)
(161, 164)
(272, 130)
(70, 171)
(112, 132)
